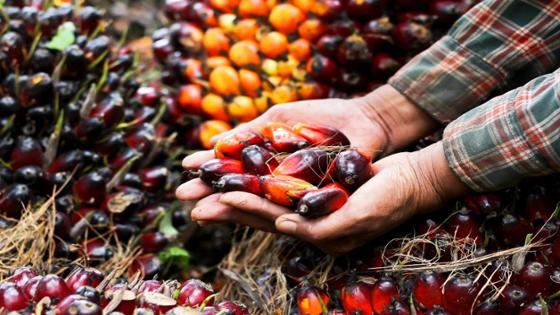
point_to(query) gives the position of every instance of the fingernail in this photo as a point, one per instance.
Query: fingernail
(195, 213)
(287, 226)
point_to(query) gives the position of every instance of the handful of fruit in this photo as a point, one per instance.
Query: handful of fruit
(309, 168)
(87, 291)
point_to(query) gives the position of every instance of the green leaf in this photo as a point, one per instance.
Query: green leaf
(166, 225)
(64, 37)
(176, 256)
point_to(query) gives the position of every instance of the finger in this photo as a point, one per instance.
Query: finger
(193, 190)
(198, 158)
(212, 212)
(254, 204)
(313, 230)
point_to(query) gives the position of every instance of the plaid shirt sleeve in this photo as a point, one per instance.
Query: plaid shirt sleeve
(508, 138)
(496, 46)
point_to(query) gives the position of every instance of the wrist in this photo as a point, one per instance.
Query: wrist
(402, 121)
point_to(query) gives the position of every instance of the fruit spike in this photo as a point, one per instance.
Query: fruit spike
(213, 169)
(321, 135)
(258, 160)
(282, 137)
(231, 146)
(352, 169)
(238, 182)
(312, 301)
(311, 165)
(284, 190)
(322, 201)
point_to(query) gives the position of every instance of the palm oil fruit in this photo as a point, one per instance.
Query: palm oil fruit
(323, 201)
(238, 182)
(310, 165)
(231, 146)
(213, 169)
(284, 190)
(321, 135)
(352, 169)
(283, 138)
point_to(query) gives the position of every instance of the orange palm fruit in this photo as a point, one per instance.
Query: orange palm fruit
(245, 53)
(250, 82)
(226, 6)
(312, 301)
(238, 182)
(274, 44)
(258, 160)
(287, 67)
(282, 137)
(209, 129)
(224, 80)
(217, 61)
(283, 94)
(284, 190)
(300, 49)
(312, 29)
(262, 102)
(242, 108)
(312, 90)
(231, 145)
(253, 8)
(286, 18)
(214, 106)
(322, 201)
(190, 98)
(193, 70)
(246, 29)
(321, 135)
(303, 5)
(311, 165)
(215, 42)
(211, 170)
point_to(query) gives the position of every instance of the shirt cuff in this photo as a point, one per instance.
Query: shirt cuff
(489, 150)
(447, 79)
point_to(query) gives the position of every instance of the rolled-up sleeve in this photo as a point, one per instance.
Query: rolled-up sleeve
(495, 46)
(508, 138)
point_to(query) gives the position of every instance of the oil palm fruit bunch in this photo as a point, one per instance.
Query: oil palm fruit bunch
(230, 60)
(75, 121)
(309, 168)
(87, 291)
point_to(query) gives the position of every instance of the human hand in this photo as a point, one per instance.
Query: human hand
(404, 184)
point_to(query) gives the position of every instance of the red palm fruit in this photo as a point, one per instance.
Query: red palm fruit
(66, 161)
(354, 52)
(84, 276)
(321, 135)
(427, 290)
(284, 190)
(311, 165)
(282, 137)
(12, 298)
(238, 182)
(555, 252)
(484, 203)
(128, 298)
(328, 45)
(230, 146)
(383, 293)
(535, 279)
(312, 301)
(513, 229)
(190, 99)
(90, 188)
(89, 293)
(352, 169)
(460, 294)
(322, 68)
(97, 250)
(258, 160)
(232, 308)
(27, 152)
(365, 9)
(356, 298)
(488, 308)
(21, 275)
(539, 206)
(153, 242)
(396, 308)
(147, 95)
(194, 293)
(534, 308)
(328, 10)
(30, 288)
(513, 298)
(154, 178)
(464, 225)
(322, 201)
(213, 169)
(109, 110)
(157, 302)
(384, 65)
(13, 198)
(411, 36)
(150, 286)
(78, 306)
(52, 286)
(147, 265)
